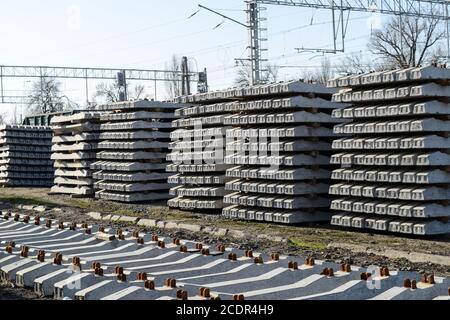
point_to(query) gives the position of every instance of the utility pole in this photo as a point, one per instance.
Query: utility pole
(202, 85)
(254, 41)
(122, 84)
(185, 77)
(254, 38)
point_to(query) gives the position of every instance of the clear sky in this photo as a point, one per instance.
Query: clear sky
(146, 33)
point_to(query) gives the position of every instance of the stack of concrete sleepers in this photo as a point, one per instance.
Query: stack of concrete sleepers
(279, 150)
(198, 149)
(133, 146)
(395, 165)
(25, 156)
(75, 143)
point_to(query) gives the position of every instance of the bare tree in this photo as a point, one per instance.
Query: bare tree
(2, 118)
(321, 74)
(353, 63)
(173, 85)
(109, 92)
(407, 42)
(243, 75)
(47, 97)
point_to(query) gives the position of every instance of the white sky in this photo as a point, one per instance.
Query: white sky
(146, 33)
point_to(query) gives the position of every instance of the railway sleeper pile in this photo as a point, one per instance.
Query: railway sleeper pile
(25, 156)
(75, 144)
(197, 153)
(279, 151)
(133, 145)
(395, 164)
(91, 262)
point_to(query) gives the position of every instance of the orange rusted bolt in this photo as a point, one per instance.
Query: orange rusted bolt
(238, 297)
(84, 225)
(142, 276)
(293, 265)
(154, 237)
(121, 237)
(345, 267)
(198, 246)
(414, 284)
(176, 241)
(118, 270)
(26, 219)
(96, 265)
(449, 291)
(384, 272)
(12, 244)
(183, 248)
(220, 248)
(309, 261)
(205, 251)
(232, 256)
(9, 249)
(149, 285)
(24, 252)
(37, 221)
(41, 256)
(407, 283)
(249, 253)
(172, 283)
(204, 292)
(182, 295)
(73, 226)
(275, 257)
(58, 258)
(258, 259)
(365, 276)
(425, 278)
(140, 240)
(76, 261)
(135, 234)
(431, 279)
(119, 232)
(16, 217)
(122, 277)
(161, 244)
(61, 225)
(101, 229)
(48, 223)
(98, 271)
(329, 272)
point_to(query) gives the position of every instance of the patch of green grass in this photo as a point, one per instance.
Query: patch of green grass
(127, 212)
(24, 200)
(82, 204)
(297, 242)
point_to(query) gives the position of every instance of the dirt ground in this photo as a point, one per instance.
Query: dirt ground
(322, 241)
